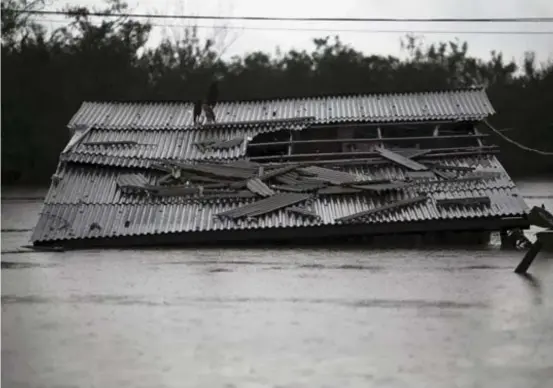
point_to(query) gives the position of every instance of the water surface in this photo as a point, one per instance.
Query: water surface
(349, 317)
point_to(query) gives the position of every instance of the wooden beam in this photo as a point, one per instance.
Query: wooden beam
(402, 160)
(368, 140)
(474, 150)
(529, 257)
(361, 124)
(290, 142)
(369, 161)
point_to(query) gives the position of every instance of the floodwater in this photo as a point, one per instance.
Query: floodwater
(273, 318)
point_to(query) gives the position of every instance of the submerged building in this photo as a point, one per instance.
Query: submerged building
(144, 174)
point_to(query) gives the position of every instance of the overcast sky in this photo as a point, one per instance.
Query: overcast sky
(252, 36)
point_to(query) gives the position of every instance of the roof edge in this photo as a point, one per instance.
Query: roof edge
(399, 92)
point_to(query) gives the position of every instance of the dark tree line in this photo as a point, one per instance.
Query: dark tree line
(45, 77)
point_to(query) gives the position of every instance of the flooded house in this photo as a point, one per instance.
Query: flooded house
(143, 173)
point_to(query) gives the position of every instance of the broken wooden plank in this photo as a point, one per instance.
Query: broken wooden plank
(164, 179)
(255, 185)
(381, 187)
(215, 170)
(437, 166)
(538, 216)
(529, 257)
(228, 194)
(291, 189)
(467, 201)
(265, 206)
(391, 206)
(401, 160)
(290, 178)
(367, 182)
(301, 187)
(302, 211)
(161, 167)
(175, 191)
(328, 175)
(412, 153)
(277, 172)
(447, 175)
(338, 190)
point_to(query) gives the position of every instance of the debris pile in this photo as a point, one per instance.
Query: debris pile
(286, 185)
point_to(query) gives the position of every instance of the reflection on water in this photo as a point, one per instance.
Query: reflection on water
(326, 317)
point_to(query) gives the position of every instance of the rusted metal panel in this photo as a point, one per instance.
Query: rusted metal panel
(463, 104)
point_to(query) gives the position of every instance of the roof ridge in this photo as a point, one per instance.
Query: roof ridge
(298, 98)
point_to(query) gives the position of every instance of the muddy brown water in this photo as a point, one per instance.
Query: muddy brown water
(333, 317)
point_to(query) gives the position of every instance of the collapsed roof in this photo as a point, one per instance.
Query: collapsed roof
(144, 169)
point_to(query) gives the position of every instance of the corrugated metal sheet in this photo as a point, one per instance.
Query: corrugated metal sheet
(328, 175)
(402, 160)
(257, 186)
(264, 206)
(135, 180)
(392, 206)
(467, 104)
(302, 211)
(60, 222)
(88, 195)
(139, 148)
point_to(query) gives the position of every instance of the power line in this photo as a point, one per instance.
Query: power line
(522, 147)
(300, 19)
(231, 27)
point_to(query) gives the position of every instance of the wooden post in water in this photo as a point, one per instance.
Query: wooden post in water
(529, 257)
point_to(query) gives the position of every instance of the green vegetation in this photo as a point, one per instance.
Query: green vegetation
(45, 78)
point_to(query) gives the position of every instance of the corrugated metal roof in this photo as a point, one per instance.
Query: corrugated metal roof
(85, 184)
(61, 222)
(466, 104)
(86, 195)
(139, 148)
